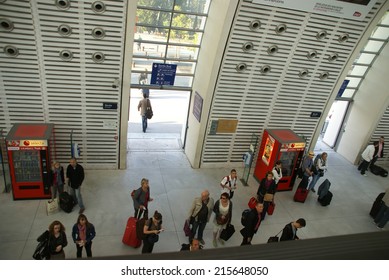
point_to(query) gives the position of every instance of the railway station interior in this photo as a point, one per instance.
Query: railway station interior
(317, 68)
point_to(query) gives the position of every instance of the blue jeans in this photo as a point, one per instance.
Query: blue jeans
(315, 178)
(200, 226)
(76, 193)
(144, 123)
(382, 216)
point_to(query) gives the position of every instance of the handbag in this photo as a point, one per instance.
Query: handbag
(187, 229)
(268, 197)
(270, 209)
(52, 206)
(227, 232)
(252, 202)
(274, 238)
(321, 173)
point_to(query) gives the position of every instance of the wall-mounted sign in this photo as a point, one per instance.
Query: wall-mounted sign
(110, 105)
(342, 88)
(226, 126)
(315, 114)
(163, 74)
(197, 106)
(352, 9)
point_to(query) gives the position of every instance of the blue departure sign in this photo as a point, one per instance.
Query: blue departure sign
(163, 74)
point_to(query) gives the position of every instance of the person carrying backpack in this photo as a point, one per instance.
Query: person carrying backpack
(252, 223)
(228, 184)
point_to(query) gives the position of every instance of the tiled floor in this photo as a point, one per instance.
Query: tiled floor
(174, 184)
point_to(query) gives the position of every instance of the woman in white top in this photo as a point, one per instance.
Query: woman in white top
(277, 172)
(223, 215)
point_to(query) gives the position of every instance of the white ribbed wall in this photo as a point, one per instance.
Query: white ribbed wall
(38, 86)
(280, 98)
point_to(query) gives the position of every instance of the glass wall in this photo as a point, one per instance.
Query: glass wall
(366, 58)
(168, 31)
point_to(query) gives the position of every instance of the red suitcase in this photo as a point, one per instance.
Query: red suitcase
(129, 237)
(301, 195)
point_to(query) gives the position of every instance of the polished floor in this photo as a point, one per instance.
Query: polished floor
(174, 184)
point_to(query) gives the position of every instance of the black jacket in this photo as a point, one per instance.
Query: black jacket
(262, 188)
(287, 233)
(76, 176)
(252, 220)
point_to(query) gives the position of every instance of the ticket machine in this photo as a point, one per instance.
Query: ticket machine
(284, 145)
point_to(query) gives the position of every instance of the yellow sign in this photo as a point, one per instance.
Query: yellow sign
(33, 143)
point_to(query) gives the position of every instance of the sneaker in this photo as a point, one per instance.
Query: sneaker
(202, 241)
(81, 210)
(380, 228)
(221, 241)
(364, 175)
(214, 243)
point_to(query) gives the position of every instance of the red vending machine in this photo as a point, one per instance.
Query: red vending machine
(29, 147)
(284, 145)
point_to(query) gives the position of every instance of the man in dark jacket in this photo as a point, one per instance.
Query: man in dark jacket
(290, 230)
(252, 224)
(75, 176)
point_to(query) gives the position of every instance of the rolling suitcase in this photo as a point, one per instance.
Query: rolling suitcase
(326, 200)
(376, 205)
(300, 195)
(130, 237)
(66, 202)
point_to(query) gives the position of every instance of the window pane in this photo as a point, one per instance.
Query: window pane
(188, 21)
(385, 19)
(348, 93)
(354, 82)
(140, 65)
(165, 4)
(373, 46)
(185, 37)
(183, 67)
(149, 17)
(183, 81)
(160, 37)
(182, 52)
(358, 70)
(365, 58)
(194, 6)
(149, 50)
(380, 33)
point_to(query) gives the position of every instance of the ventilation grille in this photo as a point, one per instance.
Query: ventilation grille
(60, 78)
(279, 98)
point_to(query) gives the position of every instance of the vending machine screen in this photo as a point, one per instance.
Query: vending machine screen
(26, 166)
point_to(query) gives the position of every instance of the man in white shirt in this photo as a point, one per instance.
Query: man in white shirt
(228, 184)
(367, 157)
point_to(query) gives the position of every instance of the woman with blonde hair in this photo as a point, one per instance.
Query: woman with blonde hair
(56, 179)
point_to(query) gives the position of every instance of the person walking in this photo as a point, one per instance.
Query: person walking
(75, 176)
(199, 215)
(223, 216)
(266, 192)
(152, 229)
(142, 107)
(367, 157)
(320, 165)
(56, 179)
(290, 230)
(57, 241)
(228, 183)
(141, 198)
(383, 214)
(83, 233)
(252, 224)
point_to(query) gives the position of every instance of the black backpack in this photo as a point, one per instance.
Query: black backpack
(244, 218)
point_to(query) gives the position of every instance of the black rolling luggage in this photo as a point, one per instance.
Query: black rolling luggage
(66, 202)
(325, 200)
(376, 205)
(378, 170)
